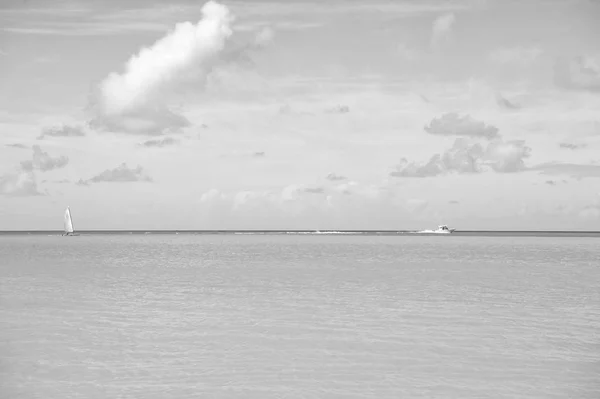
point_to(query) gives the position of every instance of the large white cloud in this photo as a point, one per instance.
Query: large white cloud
(157, 67)
(134, 101)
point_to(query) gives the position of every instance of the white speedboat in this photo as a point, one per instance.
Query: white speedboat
(442, 229)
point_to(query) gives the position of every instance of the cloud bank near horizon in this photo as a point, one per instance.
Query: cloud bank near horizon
(120, 174)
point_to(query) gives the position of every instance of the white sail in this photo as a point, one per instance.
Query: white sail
(68, 221)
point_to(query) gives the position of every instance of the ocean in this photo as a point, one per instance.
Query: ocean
(299, 316)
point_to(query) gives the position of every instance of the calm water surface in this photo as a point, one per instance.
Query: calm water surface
(184, 316)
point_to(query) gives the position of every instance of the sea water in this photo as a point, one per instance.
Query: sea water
(279, 316)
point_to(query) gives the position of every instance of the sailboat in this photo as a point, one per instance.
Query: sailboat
(68, 224)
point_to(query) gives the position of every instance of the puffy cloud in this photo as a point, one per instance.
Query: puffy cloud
(244, 154)
(62, 131)
(578, 171)
(555, 182)
(507, 156)
(239, 53)
(133, 101)
(464, 157)
(572, 146)
(121, 173)
(333, 177)
(159, 143)
(22, 181)
(153, 69)
(338, 109)
(264, 37)
(452, 124)
(441, 28)
(314, 190)
(19, 184)
(17, 145)
(151, 121)
(506, 104)
(42, 161)
(579, 73)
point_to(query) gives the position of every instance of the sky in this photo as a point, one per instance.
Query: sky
(298, 114)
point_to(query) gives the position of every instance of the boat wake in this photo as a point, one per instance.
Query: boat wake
(442, 229)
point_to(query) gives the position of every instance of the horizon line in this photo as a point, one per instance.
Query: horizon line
(289, 231)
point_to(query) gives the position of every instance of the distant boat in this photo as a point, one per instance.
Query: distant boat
(68, 224)
(442, 229)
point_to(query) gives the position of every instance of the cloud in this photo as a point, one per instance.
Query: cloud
(264, 37)
(453, 202)
(121, 173)
(240, 53)
(62, 131)
(504, 103)
(442, 26)
(133, 101)
(451, 124)
(555, 182)
(159, 143)
(314, 190)
(406, 52)
(507, 156)
(153, 69)
(294, 205)
(499, 156)
(578, 171)
(43, 161)
(20, 183)
(579, 73)
(592, 210)
(338, 109)
(153, 121)
(572, 146)
(285, 109)
(519, 56)
(17, 145)
(244, 154)
(333, 177)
